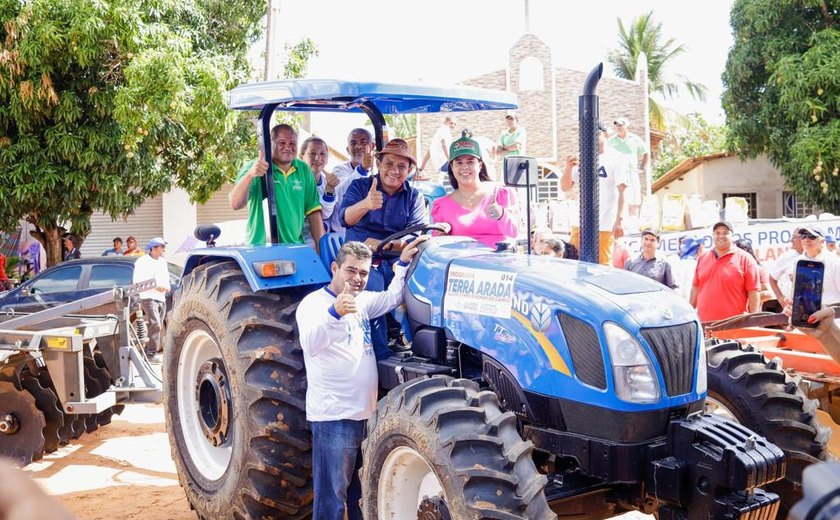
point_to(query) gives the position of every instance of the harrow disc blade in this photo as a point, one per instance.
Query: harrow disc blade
(21, 425)
(47, 402)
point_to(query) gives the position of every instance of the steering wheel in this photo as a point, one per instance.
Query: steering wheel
(414, 231)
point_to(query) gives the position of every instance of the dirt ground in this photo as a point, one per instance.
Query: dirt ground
(125, 470)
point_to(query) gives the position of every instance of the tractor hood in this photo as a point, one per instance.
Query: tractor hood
(484, 282)
(545, 321)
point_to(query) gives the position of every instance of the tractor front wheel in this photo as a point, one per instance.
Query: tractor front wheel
(746, 387)
(235, 386)
(441, 448)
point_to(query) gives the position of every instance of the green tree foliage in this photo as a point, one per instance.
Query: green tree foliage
(401, 125)
(644, 35)
(782, 92)
(694, 139)
(105, 103)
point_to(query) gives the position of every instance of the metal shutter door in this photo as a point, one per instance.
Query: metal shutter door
(145, 224)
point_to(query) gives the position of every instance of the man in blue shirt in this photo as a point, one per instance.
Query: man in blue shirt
(377, 206)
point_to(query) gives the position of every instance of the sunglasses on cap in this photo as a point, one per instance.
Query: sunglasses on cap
(805, 236)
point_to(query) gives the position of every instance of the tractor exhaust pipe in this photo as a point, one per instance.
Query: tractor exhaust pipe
(588, 118)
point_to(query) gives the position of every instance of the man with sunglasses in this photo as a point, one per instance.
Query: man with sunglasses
(780, 272)
(812, 249)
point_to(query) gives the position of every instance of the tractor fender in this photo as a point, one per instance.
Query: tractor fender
(308, 268)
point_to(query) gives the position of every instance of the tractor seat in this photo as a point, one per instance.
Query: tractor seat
(329, 245)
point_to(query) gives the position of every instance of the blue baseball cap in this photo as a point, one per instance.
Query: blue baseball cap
(690, 247)
(157, 241)
(829, 239)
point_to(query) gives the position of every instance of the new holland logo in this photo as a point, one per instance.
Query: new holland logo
(540, 316)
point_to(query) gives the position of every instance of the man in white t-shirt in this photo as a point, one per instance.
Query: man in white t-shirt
(812, 249)
(630, 144)
(359, 145)
(341, 373)
(438, 151)
(153, 302)
(780, 274)
(613, 178)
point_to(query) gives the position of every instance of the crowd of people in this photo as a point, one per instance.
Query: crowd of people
(344, 327)
(367, 199)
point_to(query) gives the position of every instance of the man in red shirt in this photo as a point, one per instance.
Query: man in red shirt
(726, 282)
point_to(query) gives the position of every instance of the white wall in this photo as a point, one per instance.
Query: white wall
(729, 175)
(179, 217)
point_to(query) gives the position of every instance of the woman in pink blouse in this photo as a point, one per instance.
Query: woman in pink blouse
(478, 208)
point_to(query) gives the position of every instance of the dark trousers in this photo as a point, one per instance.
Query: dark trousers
(153, 311)
(336, 461)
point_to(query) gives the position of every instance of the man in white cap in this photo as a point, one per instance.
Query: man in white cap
(153, 302)
(628, 143)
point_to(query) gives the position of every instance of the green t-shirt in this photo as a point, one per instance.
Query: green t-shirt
(517, 136)
(630, 145)
(296, 196)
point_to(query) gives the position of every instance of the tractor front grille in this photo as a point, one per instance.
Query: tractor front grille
(675, 348)
(586, 351)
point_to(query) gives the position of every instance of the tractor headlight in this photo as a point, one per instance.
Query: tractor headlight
(635, 378)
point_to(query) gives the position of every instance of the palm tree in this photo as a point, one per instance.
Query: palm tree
(644, 35)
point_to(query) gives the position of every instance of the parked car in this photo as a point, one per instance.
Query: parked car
(75, 279)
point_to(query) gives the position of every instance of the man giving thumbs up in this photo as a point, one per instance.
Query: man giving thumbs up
(341, 373)
(378, 206)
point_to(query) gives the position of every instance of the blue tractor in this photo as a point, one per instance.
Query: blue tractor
(534, 387)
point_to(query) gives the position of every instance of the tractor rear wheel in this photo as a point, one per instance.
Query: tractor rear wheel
(747, 388)
(235, 388)
(441, 448)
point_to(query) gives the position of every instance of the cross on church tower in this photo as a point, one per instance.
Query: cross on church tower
(527, 17)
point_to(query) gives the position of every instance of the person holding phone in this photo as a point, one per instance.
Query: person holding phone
(812, 249)
(823, 326)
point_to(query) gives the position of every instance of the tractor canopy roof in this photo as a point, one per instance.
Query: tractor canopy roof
(326, 95)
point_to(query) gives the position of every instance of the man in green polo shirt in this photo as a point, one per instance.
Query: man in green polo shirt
(295, 192)
(512, 141)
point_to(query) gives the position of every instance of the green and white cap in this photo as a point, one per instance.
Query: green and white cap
(465, 145)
